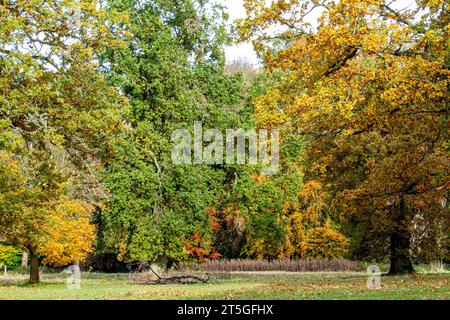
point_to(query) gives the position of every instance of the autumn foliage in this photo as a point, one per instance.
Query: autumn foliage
(365, 85)
(91, 92)
(70, 233)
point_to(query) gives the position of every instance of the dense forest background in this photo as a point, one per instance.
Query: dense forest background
(90, 93)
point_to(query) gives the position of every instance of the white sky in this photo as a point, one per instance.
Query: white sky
(244, 51)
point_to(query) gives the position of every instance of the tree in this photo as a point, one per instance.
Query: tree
(55, 120)
(42, 218)
(9, 256)
(172, 72)
(366, 85)
(269, 217)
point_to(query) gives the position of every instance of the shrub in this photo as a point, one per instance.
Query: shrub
(294, 265)
(324, 242)
(9, 256)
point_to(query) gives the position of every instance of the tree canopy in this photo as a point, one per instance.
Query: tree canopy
(92, 92)
(367, 87)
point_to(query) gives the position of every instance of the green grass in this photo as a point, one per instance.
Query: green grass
(277, 285)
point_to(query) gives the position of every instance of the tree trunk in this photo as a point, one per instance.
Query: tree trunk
(34, 267)
(401, 243)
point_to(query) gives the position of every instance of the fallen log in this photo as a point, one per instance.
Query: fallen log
(182, 279)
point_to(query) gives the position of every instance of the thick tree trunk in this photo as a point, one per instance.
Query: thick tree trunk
(401, 243)
(34, 267)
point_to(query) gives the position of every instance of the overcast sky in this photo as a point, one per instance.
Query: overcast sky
(245, 51)
(236, 10)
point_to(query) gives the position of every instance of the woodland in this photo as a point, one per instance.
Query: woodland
(91, 92)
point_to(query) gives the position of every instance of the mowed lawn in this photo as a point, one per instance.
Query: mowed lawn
(236, 286)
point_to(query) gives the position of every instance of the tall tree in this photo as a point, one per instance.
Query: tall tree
(172, 72)
(367, 85)
(55, 120)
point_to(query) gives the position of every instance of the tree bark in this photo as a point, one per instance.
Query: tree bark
(401, 243)
(34, 267)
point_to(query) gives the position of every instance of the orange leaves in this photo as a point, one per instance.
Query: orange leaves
(260, 179)
(324, 242)
(199, 250)
(211, 213)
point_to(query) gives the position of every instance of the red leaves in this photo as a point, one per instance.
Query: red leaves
(199, 250)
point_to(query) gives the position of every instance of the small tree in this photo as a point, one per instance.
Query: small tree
(9, 256)
(38, 216)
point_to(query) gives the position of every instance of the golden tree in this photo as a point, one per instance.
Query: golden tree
(367, 86)
(57, 114)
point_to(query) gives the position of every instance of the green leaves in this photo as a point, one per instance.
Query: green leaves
(173, 76)
(57, 114)
(365, 92)
(9, 256)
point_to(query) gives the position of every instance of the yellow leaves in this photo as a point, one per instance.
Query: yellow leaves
(324, 242)
(287, 207)
(69, 232)
(308, 241)
(269, 110)
(295, 234)
(122, 248)
(368, 89)
(310, 191)
(34, 28)
(435, 4)
(260, 179)
(307, 234)
(9, 255)
(319, 168)
(11, 177)
(258, 249)
(376, 41)
(313, 198)
(411, 82)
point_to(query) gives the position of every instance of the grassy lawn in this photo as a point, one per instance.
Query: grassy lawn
(237, 286)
